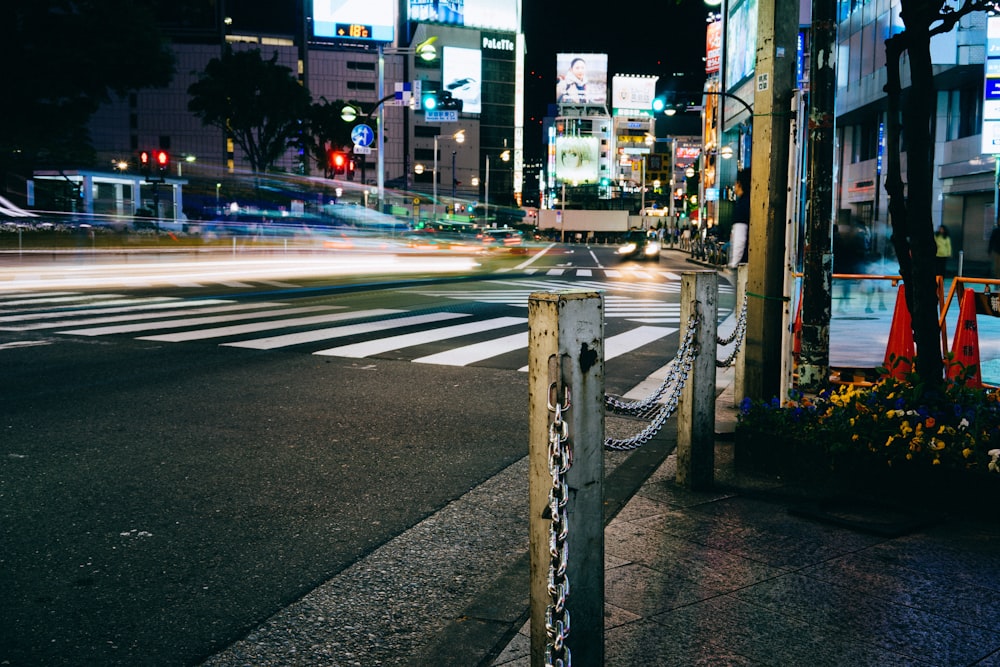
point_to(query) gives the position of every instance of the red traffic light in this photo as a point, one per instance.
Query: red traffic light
(162, 159)
(338, 162)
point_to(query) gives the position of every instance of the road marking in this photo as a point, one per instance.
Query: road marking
(273, 342)
(135, 317)
(189, 322)
(623, 343)
(253, 327)
(359, 350)
(59, 299)
(77, 312)
(470, 354)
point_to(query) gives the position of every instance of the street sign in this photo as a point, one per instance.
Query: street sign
(362, 150)
(362, 135)
(441, 116)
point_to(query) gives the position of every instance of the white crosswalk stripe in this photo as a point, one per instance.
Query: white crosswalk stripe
(382, 345)
(189, 322)
(426, 337)
(274, 342)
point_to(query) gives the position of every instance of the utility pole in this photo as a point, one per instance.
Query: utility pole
(817, 272)
(777, 37)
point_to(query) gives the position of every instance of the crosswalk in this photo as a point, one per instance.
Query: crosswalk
(637, 314)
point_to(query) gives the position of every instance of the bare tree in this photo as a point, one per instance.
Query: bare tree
(910, 205)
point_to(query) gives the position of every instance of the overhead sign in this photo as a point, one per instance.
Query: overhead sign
(441, 116)
(362, 135)
(990, 134)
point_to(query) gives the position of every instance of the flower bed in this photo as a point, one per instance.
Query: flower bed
(901, 436)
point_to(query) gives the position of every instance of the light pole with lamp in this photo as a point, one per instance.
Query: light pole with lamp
(425, 51)
(459, 137)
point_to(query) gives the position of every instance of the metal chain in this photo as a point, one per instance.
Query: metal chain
(740, 322)
(738, 335)
(557, 654)
(643, 407)
(666, 409)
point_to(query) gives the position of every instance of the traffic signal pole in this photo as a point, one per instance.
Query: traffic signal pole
(777, 37)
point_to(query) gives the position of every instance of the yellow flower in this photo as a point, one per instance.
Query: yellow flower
(966, 452)
(936, 444)
(936, 462)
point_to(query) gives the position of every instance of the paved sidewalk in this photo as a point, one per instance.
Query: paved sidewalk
(753, 573)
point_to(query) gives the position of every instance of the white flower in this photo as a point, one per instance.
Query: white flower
(994, 465)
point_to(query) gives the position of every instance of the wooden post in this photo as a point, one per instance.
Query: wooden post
(774, 75)
(566, 350)
(696, 409)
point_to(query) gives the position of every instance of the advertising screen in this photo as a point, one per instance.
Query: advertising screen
(461, 75)
(581, 78)
(577, 159)
(633, 92)
(741, 42)
(490, 14)
(359, 20)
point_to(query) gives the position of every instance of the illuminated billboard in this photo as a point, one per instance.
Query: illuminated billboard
(461, 75)
(990, 131)
(490, 14)
(581, 78)
(577, 159)
(358, 20)
(633, 93)
(741, 42)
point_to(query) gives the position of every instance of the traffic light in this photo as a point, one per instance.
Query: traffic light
(338, 162)
(440, 101)
(145, 162)
(162, 160)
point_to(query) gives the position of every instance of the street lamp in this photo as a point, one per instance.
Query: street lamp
(505, 156)
(459, 137)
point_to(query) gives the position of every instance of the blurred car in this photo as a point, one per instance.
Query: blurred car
(503, 236)
(640, 245)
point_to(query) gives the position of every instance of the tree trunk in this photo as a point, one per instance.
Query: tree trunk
(912, 222)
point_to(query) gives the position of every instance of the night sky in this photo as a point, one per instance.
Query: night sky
(665, 39)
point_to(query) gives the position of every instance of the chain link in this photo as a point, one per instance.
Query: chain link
(680, 369)
(646, 406)
(737, 335)
(557, 654)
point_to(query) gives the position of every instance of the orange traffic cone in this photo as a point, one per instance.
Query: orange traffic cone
(900, 351)
(965, 345)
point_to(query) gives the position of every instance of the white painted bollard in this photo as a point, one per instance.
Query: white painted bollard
(696, 408)
(566, 366)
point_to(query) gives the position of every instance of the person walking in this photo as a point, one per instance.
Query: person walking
(739, 245)
(994, 251)
(943, 242)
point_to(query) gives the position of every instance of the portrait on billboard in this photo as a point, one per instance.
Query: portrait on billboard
(461, 75)
(577, 159)
(581, 78)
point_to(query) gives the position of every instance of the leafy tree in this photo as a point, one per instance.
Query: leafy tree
(327, 131)
(258, 102)
(59, 61)
(910, 210)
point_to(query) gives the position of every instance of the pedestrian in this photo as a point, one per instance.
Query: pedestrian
(739, 245)
(943, 243)
(994, 250)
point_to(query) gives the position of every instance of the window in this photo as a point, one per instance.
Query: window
(360, 85)
(965, 112)
(361, 66)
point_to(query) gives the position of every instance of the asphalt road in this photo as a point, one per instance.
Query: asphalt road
(159, 500)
